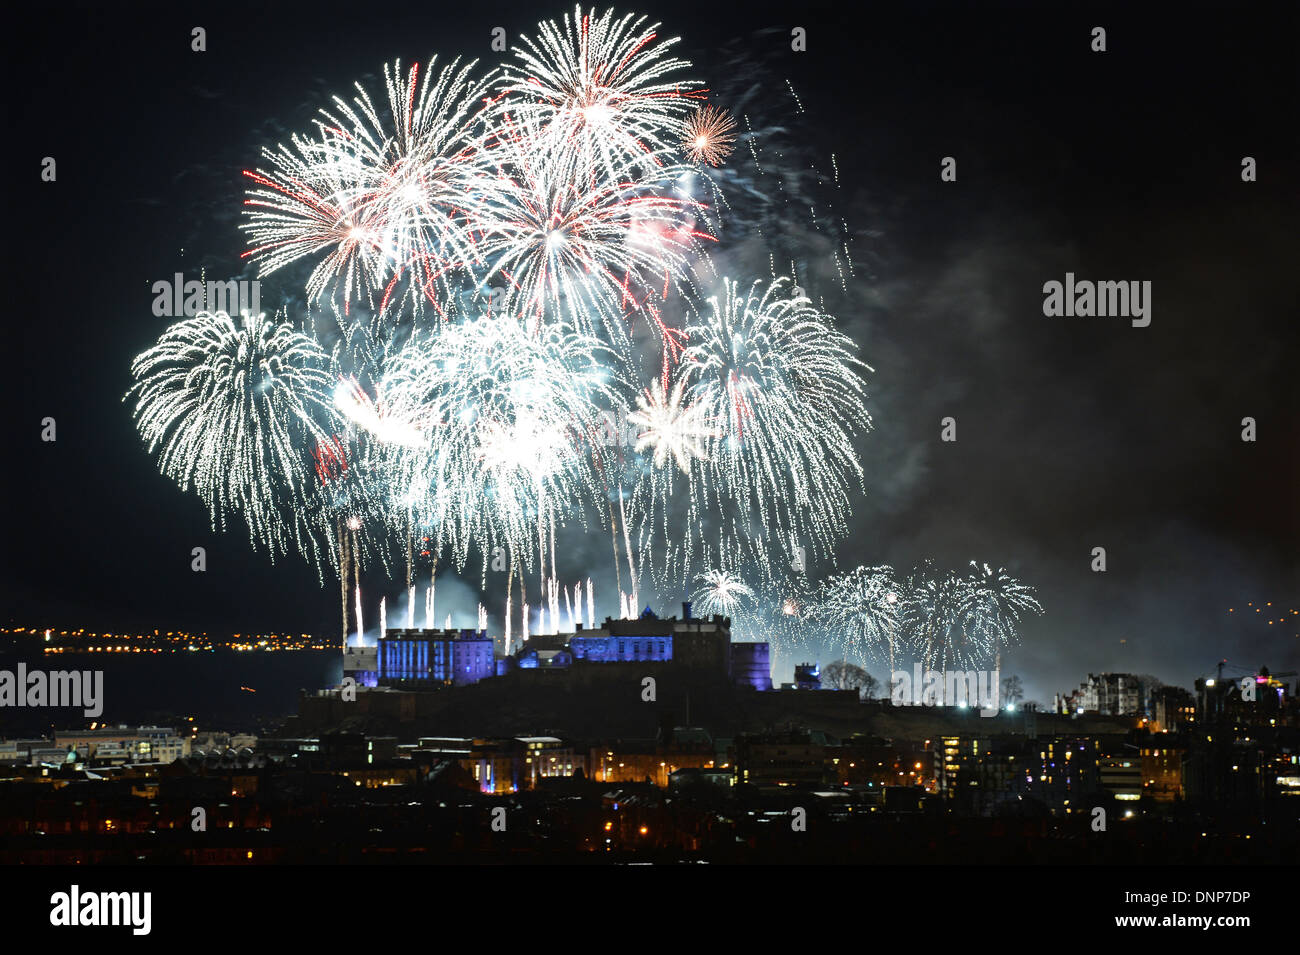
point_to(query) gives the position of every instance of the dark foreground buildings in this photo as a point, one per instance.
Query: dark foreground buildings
(659, 740)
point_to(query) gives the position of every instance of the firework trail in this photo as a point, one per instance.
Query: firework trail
(361, 630)
(352, 402)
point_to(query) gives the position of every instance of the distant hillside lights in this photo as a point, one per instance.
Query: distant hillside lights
(175, 297)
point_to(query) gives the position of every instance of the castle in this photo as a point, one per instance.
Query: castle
(429, 658)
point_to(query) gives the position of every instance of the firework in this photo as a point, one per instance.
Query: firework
(710, 136)
(584, 251)
(672, 427)
(998, 603)
(607, 93)
(546, 215)
(513, 415)
(962, 620)
(861, 610)
(937, 616)
(331, 458)
(351, 400)
(308, 204)
(782, 386)
(230, 406)
(389, 199)
(722, 593)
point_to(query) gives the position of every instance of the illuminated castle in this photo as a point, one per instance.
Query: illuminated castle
(695, 642)
(428, 658)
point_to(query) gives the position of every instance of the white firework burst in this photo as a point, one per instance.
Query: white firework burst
(861, 609)
(784, 389)
(390, 199)
(511, 415)
(587, 252)
(998, 602)
(608, 93)
(230, 405)
(722, 593)
(672, 427)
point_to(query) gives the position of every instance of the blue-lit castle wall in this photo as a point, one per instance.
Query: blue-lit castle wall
(456, 657)
(622, 649)
(430, 658)
(751, 665)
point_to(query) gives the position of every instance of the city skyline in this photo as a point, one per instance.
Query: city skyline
(1071, 433)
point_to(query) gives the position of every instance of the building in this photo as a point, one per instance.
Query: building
(794, 757)
(125, 744)
(507, 765)
(1121, 776)
(807, 676)
(426, 658)
(1173, 709)
(695, 642)
(1112, 694)
(539, 658)
(875, 763)
(676, 749)
(1162, 771)
(751, 665)
(19, 751)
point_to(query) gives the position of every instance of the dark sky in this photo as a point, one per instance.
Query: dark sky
(1072, 433)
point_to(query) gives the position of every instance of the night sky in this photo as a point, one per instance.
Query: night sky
(1072, 433)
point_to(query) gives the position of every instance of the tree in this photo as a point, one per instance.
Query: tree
(842, 675)
(1012, 690)
(870, 688)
